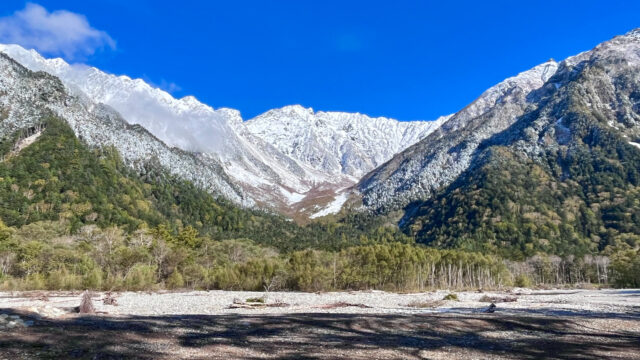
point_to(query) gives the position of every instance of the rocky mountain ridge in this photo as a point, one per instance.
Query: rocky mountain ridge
(330, 159)
(438, 159)
(338, 143)
(27, 98)
(550, 168)
(442, 156)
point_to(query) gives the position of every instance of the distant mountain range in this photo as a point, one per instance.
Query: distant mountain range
(552, 146)
(291, 159)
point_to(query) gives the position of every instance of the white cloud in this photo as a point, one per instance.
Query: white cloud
(59, 33)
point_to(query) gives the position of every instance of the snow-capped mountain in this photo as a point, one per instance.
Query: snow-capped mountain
(27, 98)
(335, 149)
(441, 157)
(215, 135)
(289, 159)
(337, 143)
(517, 108)
(557, 171)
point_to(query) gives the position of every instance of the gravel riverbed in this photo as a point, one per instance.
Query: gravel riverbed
(525, 324)
(566, 302)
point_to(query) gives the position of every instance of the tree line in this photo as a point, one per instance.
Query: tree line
(44, 255)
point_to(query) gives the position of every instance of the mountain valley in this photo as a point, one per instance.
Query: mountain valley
(545, 162)
(291, 159)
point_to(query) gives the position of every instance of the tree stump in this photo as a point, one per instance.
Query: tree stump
(86, 304)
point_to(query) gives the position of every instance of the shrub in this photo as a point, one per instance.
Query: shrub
(225, 278)
(195, 276)
(175, 280)
(93, 279)
(625, 265)
(63, 280)
(113, 281)
(34, 282)
(256, 300)
(523, 280)
(140, 277)
(10, 283)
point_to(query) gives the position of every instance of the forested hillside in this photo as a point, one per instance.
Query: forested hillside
(59, 178)
(563, 179)
(576, 204)
(75, 217)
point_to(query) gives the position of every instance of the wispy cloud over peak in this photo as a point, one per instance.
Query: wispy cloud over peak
(60, 33)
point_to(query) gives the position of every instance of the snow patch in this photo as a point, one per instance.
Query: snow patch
(292, 197)
(333, 206)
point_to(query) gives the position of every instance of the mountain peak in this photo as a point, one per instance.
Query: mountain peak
(437, 161)
(296, 110)
(190, 99)
(336, 143)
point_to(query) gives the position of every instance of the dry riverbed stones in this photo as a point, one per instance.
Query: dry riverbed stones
(8, 322)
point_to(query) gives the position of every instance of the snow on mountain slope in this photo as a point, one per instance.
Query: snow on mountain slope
(290, 159)
(344, 146)
(578, 135)
(185, 123)
(216, 135)
(27, 97)
(441, 157)
(338, 143)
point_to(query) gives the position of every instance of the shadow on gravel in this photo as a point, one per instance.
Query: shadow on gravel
(633, 292)
(316, 336)
(633, 314)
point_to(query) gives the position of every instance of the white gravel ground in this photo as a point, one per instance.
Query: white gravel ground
(617, 303)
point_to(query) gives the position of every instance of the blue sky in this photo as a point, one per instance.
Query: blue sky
(403, 59)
